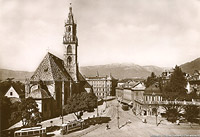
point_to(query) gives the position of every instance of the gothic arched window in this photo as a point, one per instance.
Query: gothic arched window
(69, 29)
(69, 49)
(69, 60)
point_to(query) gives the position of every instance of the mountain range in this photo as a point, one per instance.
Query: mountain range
(17, 75)
(190, 67)
(119, 71)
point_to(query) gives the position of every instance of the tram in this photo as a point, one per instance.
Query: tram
(33, 131)
(72, 126)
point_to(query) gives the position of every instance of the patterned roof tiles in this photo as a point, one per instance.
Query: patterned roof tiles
(51, 69)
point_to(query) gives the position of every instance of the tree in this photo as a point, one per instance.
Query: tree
(151, 80)
(78, 103)
(176, 87)
(5, 112)
(191, 113)
(91, 101)
(15, 117)
(6, 107)
(172, 111)
(28, 112)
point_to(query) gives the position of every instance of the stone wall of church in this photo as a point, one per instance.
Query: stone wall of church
(58, 96)
(66, 91)
(61, 96)
(47, 109)
(51, 89)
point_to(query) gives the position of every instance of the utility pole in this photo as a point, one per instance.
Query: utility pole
(157, 115)
(106, 90)
(156, 107)
(118, 114)
(97, 107)
(62, 100)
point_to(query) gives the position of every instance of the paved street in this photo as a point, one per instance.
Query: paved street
(136, 128)
(58, 121)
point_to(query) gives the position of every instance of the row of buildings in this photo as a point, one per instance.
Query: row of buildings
(149, 101)
(143, 100)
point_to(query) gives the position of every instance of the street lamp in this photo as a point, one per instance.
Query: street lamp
(156, 118)
(156, 114)
(97, 106)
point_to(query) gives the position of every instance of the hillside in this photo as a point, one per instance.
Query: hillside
(17, 75)
(121, 71)
(190, 67)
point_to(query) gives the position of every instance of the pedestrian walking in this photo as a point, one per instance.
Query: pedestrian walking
(107, 127)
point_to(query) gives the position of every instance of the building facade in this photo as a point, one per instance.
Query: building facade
(193, 85)
(142, 100)
(148, 104)
(130, 92)
(103, 86)
(59, 78)
(12, 91)
(70, 42)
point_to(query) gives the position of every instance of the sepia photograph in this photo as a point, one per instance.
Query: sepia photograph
(109, 68)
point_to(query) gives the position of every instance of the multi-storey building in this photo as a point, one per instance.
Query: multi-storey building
(130, 92)
(144, 101)
(193, 85)
(102, 86)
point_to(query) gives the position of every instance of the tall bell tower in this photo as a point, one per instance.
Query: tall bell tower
(70, 42)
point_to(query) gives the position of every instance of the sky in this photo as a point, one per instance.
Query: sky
(164, 33)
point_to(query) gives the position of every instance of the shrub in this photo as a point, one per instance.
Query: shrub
(125, 107)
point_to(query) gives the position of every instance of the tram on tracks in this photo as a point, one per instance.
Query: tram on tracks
(33, 131)
(71, 126)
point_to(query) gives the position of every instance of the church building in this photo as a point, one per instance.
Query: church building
(55, 80)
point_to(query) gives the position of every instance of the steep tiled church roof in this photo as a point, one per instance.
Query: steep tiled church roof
(51, 69)
(80, 77)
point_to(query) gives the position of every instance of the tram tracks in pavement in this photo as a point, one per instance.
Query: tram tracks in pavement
(111, 112)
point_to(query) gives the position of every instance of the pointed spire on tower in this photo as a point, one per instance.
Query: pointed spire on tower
(70, 8)
(70, 15)
(97, 73)
(70, 42)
